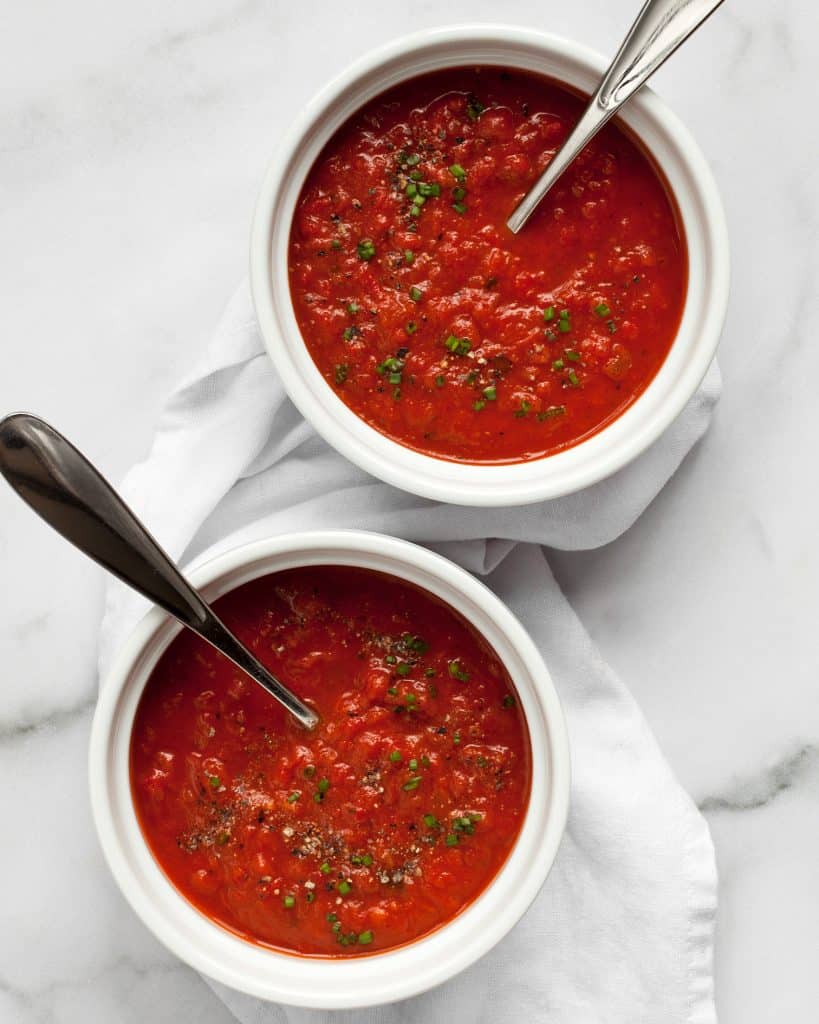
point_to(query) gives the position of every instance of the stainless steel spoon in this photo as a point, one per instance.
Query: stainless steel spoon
(62, 487)
(659, 29)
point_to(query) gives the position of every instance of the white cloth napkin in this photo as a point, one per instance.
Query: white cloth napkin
(622, 932)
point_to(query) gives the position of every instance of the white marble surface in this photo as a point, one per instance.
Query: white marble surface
(133, 141)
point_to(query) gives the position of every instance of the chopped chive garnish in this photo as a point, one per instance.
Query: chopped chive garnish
(412, 765)
(429, 672)
(457, 172)
(415, 175)
(572, 356)
(344, 887)
(419, 200)
(367, 860)
(395, 755)
(523, 409)
(310, 896)
(601, 309)
(490, 393)
(429, 188)
(573, 379)
(332, 918)
(411, 189)
(342, 370)
(413, 160)
(457, 672)
(323, 785)
(549, 313)
(366, 249)
(430, 821)
(558, 364)
(411, 699)
(459, 208)
(412, 783)
(440, 380)
(451, 839)
(403, 669)
(293, 797)
(425, 761)
(289, 901)
(508, 701)
(612, 326)
(353, 308)
(415, 294)
(409, 255)
(394, 378)
(411, 327)
(214, 781)
(474, 108)
(553, 410)
(335, 244)
(564, 326)
(458, 346)
(564, 314)
(458, 194)
(456, 738)
(309, 771)
(478, 405)
(349, 333)
(391, 659)
(392, 691)
(365, 938)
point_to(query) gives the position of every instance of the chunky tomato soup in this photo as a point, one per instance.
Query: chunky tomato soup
(373, 829)
(437, 325)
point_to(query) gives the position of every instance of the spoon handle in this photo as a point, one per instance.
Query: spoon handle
(65, 490)
(661, 26)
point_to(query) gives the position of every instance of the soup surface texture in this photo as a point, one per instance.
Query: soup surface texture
(373, 829)
(439, 327)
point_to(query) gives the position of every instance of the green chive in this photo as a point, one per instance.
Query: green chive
(451, 839)
(612, 326)
(392, 691)
(342, 370)
(459, 208)
(411, 699)
(391, 659)
(553, 410)
(549, 313)
(429, 672)
(564, 314)
(430, 821)
(440, 381)
(411, 327)
(289, 901)
(403, 669)
(573, 379)
(558, 364)
(214, 781)
(366, 249)
(508, 701)
(572, 356)
(457, 672)
(457, 172)
(366, 860)
(474, 108)
(353, 308)
(344, 887)
(413, 160)
(524, 408)
(412, 783)
(309, 771)
(365, 938)
(332, 918)
(456, 738)
(409, 255)
(395, 755)
(415, 294)
(601, 309)
(350, 333)
(490, 393)
(425, 761)
(459, 346)
(293, 798)
(310, 896)
(413, 765)
(564, 326)
(458, 194)
(411, 189)
(323, 785)
(478, 405)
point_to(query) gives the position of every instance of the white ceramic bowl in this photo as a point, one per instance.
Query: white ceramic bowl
(626, 437)
(304, 981)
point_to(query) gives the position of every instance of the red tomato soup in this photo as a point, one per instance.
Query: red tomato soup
(370, 831)
(437, 325)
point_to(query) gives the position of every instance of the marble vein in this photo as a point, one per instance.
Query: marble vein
(762, 788)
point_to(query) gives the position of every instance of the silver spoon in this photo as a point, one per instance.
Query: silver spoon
(659, 29)
(62, 487)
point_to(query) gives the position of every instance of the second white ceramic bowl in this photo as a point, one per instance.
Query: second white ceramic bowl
(687, 174)
(309, 981)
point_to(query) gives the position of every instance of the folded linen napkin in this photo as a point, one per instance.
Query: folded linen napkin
(623, 930)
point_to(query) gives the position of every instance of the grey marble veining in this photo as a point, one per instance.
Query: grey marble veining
(134, 139)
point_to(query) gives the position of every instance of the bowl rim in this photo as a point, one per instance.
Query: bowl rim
(620, 441)
(315, 982)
